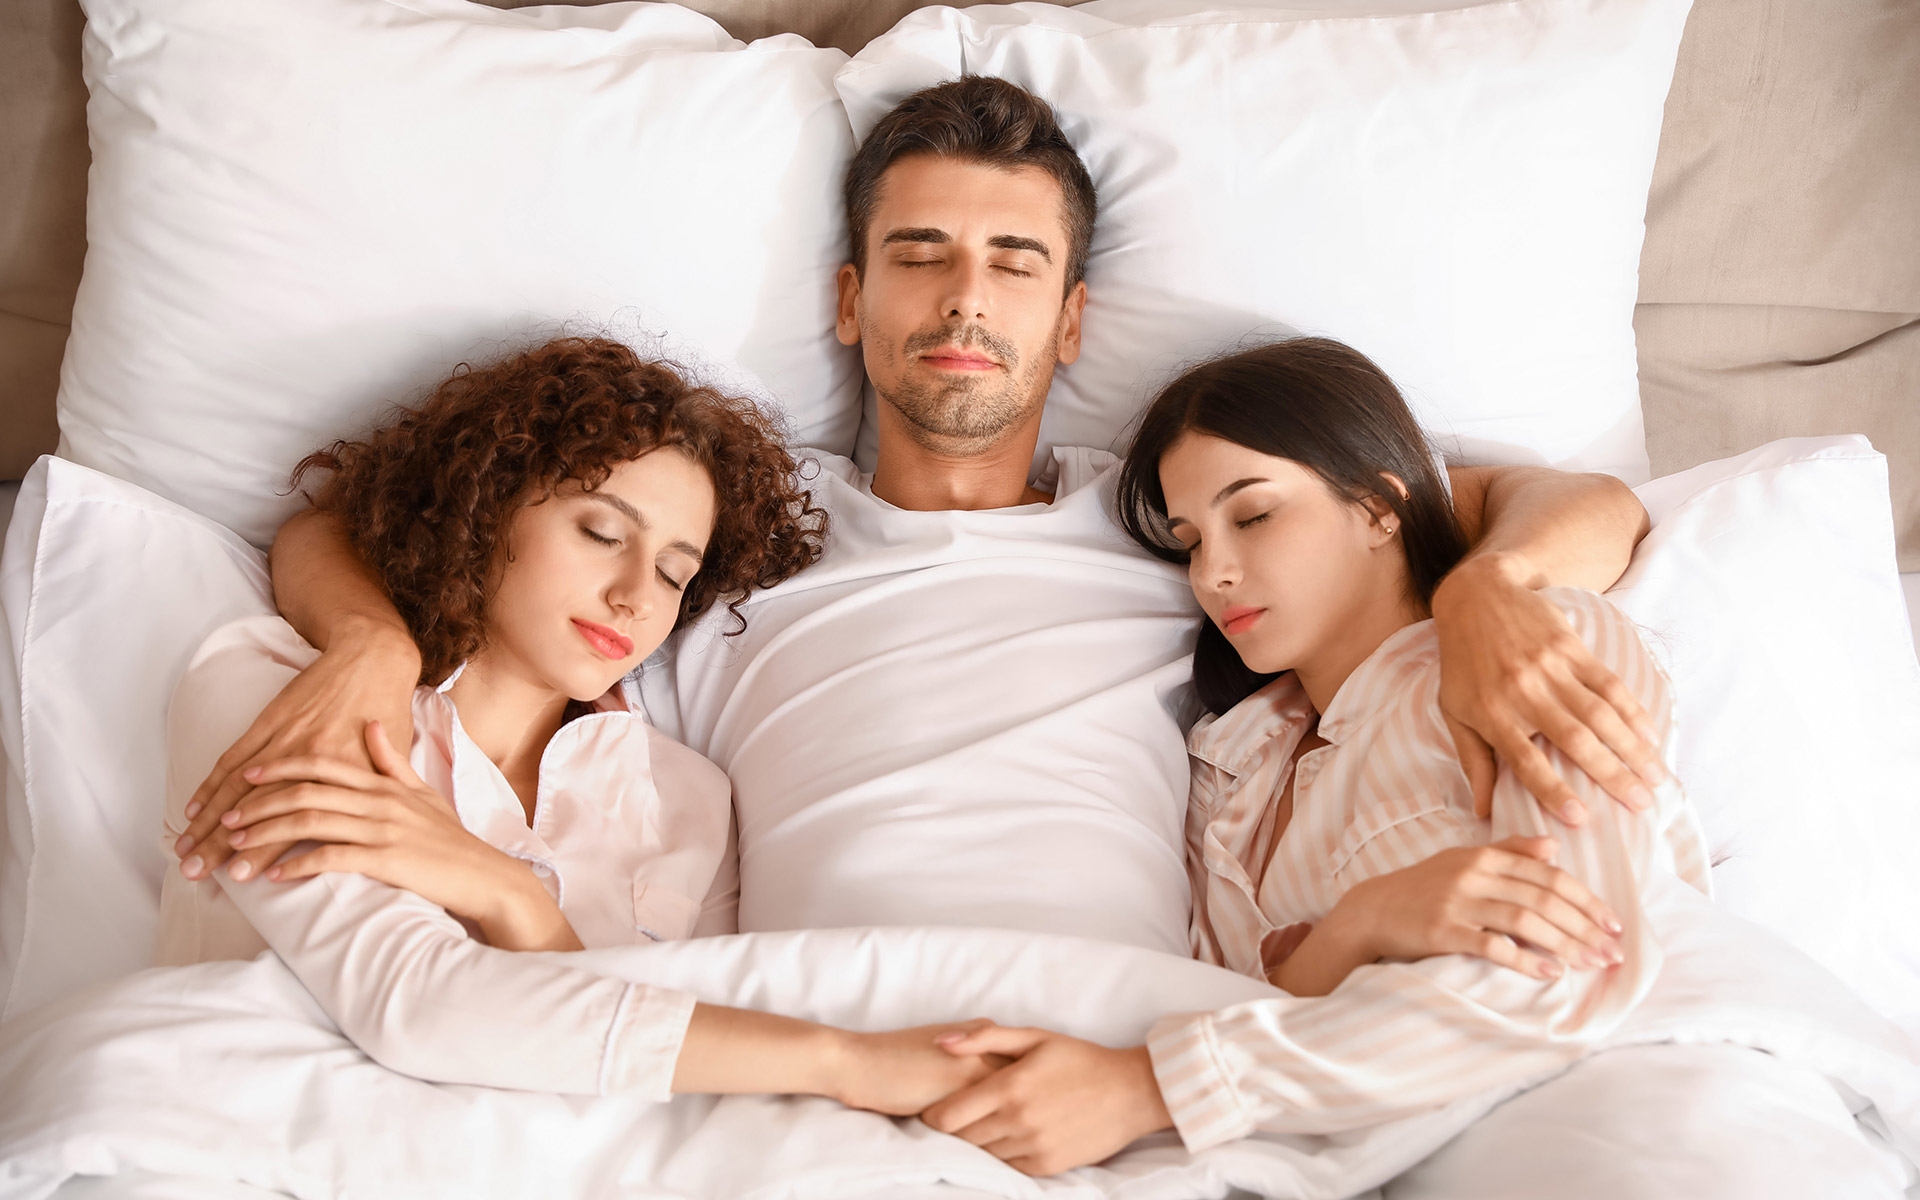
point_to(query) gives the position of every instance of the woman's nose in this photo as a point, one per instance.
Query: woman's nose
(631, 593)
(1218, 569)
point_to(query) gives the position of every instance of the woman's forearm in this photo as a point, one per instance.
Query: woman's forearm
(735, 1050)
(1321, 962)
(523, 916)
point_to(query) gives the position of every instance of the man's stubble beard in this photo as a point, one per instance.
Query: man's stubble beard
(969, 414)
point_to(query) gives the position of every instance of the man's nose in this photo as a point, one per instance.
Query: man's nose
(966, 297)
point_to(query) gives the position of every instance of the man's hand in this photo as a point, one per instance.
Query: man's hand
(1511, 667)
(322, 713)
(1063, 1102)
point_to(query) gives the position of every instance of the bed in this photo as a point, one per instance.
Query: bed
(270, 259)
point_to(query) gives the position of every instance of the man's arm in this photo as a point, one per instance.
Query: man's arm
(367, 671)
(1510, 665)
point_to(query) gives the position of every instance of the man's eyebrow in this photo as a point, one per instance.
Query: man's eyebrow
(638, 518)
(919, 234)
(1220, 496)
(1009, 241)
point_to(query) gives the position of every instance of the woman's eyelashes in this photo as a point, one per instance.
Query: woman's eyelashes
(671, 582)
(1253, 520)
(599, 537)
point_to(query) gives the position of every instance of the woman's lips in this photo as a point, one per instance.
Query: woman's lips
(609, 643)
(1240, 618)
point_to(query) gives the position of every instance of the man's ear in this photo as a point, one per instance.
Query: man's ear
(1069, 347)
(846, 322)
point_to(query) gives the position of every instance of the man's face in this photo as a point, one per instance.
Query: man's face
(963, 310)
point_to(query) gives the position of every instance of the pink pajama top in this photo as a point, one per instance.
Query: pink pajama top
(630, 834)
(1387, 792)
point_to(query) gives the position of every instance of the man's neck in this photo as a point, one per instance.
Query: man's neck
(923, 478)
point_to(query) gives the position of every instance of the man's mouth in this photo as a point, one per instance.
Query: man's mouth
(956, 358)
(609, 643)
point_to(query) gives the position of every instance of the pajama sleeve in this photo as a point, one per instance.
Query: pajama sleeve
(1399, 1038)
(397, 974)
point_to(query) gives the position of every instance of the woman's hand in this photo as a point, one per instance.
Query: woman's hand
(321, 713)
(1062, 1103)
(902, 1072)
(389, 825)
(1469, 900)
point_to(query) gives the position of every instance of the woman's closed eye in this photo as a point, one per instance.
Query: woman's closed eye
(670, 581)
(599, 537)
(1253, 520)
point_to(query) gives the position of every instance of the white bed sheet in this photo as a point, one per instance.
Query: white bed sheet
(278, 1099)
(1910, 584)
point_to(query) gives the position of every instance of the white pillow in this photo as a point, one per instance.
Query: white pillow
(299, 214)
(1458, 194)
(1769, 588)
(106, 590)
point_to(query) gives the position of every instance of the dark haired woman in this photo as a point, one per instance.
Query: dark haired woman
(542, 524)
(1294, 484)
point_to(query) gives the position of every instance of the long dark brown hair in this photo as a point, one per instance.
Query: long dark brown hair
(427, 499)
(1315, 402)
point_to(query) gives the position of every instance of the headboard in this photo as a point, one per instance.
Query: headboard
(1779, 286)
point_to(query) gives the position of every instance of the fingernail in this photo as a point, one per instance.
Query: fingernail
(1612, 924)
(230, 818)
(183, 845)
(948, 1039)
(192, 867)
(1648, 734)
(1574, 813)
(1550, 970)
(193, 810)
(1616, 955)
(1592, 961)
(237, 838)
(252, 773)
(239, 870)
(1654, 773)
(1640, 798)
(273, 872)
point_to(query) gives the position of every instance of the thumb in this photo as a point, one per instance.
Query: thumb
(994, 1039)
(1476, 759)
(1543, 848)
(386, 759)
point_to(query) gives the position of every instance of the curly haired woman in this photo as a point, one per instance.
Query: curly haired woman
(542, 524)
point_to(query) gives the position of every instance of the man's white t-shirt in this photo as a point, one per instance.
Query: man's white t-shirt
(956, 718)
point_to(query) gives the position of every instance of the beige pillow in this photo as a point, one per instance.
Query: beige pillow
(43, 192)
(1780, 282)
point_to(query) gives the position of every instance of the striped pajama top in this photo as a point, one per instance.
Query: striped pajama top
(1395, 1038)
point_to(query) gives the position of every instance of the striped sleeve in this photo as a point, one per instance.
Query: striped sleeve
(1396, 1039)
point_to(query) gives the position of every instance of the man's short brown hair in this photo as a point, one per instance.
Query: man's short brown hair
(976, 119)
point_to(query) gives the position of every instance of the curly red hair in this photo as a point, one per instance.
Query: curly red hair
(427, 500)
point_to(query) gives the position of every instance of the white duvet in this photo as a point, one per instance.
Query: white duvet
(229, 1072)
